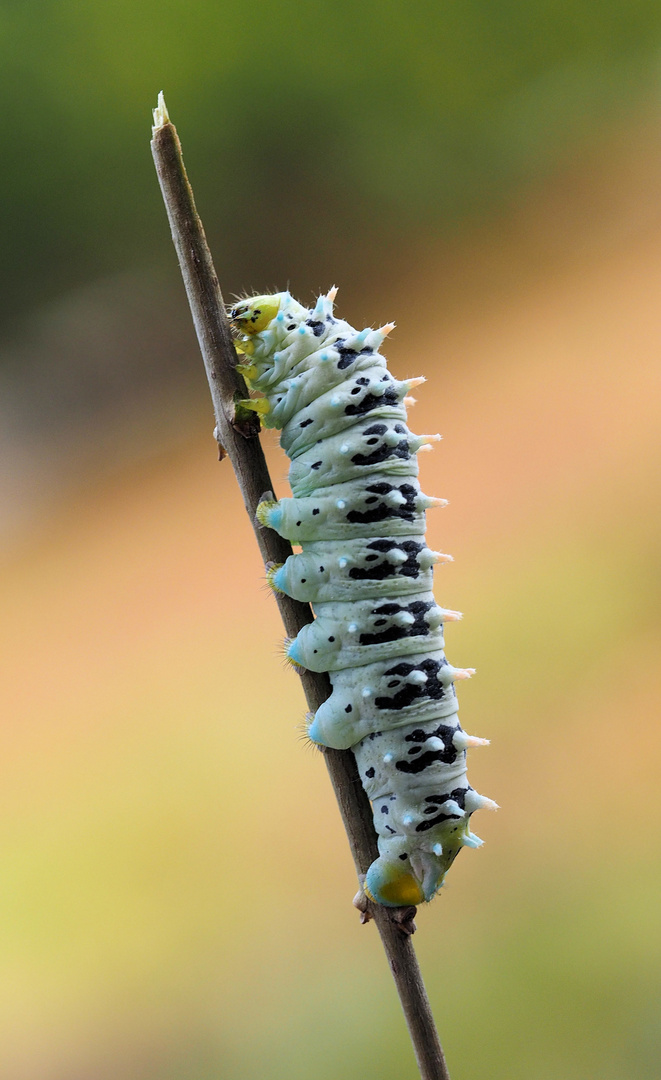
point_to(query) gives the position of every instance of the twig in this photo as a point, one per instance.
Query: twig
(237, 438)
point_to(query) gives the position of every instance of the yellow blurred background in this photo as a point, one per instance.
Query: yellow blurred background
(175, 885)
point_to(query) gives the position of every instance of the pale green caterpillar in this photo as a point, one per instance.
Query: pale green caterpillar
(359, 515)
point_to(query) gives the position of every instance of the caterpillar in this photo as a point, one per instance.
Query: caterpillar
(358, 514)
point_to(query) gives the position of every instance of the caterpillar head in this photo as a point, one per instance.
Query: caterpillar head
(252, 315)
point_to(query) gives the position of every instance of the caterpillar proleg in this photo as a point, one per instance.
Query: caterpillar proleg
(358, 513)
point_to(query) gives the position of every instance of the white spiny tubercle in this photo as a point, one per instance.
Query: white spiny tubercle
(417, 381)
(460, 673)
(409, 401)
(386, 329)
(452, 616)
(440, 556)
(425, 448)
(397, 557)
(432, 501)
(474, 801)
(461, 741)
(472, 841)
(488, 804)
(429, 439)
(332, 293)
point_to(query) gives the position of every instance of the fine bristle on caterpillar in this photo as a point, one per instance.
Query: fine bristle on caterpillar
(358, 513)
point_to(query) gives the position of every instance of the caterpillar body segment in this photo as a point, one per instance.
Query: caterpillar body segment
(358, 512)
(383, 696)
(348, 635)
(371, 446)
(355, 509)
(369, 567)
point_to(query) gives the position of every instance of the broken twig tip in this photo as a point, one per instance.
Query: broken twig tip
(161, 116)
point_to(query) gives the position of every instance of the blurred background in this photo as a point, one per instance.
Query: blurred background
(175, 886)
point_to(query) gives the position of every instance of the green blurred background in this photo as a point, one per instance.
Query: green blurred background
(174, 882)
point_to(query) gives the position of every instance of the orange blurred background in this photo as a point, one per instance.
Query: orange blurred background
(175, 884)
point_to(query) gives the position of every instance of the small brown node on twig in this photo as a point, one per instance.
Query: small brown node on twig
(361, 902)
(222, 453)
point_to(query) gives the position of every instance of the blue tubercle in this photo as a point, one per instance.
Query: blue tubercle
(274, 516)
(280, 578)
(293, 652)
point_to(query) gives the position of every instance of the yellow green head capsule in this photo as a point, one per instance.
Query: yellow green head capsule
(254, 314)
